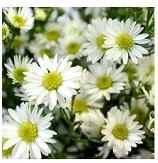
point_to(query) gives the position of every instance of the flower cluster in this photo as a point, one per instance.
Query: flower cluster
(80, 82)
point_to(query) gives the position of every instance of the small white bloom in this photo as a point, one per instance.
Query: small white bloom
(71, 45)
(123, 39)
(17, 68)
(40, 14)
(91, 122)
(21, 18)
(5, 31)
(51, 80)
(138, 107)
(146, 70)
(28, 132)
(105, 79)
(96, 37)
(149, 95)
(121, 132)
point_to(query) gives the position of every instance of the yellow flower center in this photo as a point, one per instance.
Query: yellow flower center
(48, 52)
(19, 21)
(6, 153)
(124, 41)
(80, 105)
(53, 35)
(73, 47)
(104, 82)
(141, 114)
(120, 131)
(19, 74)
(17, 42)
(100, 41)
(52, 80)
(28, 131)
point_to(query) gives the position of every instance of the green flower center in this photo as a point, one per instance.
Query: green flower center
(124, 41)
(53, 35)
(80, 105)
(140, 114)
(28, 132)
(100, 41)
(17, 42)
(73, 47)
(19, 21)
(52, 80)
(19, 74)
(6, 153)
(104, 82)
(120, 131)
(48, 52)
(131, 71)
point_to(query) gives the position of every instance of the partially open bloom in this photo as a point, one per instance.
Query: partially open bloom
(21, 18)
(51, 80)
(121, 132)
(27, 130)
(16, 70)
(5, 31)
(123, 40)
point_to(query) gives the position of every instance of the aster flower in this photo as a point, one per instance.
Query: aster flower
(123, 39)
(5, 31)
(51, 80)
(21, 18)
(121, 132)
(28, 132)
(91, 123)
(105, 79)
(71, 45)
(138, 107)
(96, 36)
(17, 68)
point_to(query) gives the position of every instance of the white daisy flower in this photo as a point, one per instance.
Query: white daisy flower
(39, 49)
(121, 132)
(5, 31)
(96, 37)
(146, 75)
(28, 132)
(105, 79)
(51, 80)
(91, 123)
(21, 18)
(17, 68)
(150, 95)
(82, 102)
(71, 45)
(137, 107)
(124, 39)
(76, 26)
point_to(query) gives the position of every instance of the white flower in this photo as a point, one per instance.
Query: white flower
(91, 122)
(151, 127)
(105, 79)
(138, 107)
(21, 18)
(149, 95)
(76, 26)
(39, 49)
(123, 39)
(51, 80)
(16, 70)
(96, 37)
(28, 132)
(146, 75)
(71, 45)
(5, 31)
(121, 132)
(40, 14)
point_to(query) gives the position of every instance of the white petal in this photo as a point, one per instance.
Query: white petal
(52, 99)
(9, 143)
(15, 115)
(43, 145)
(36, 150)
